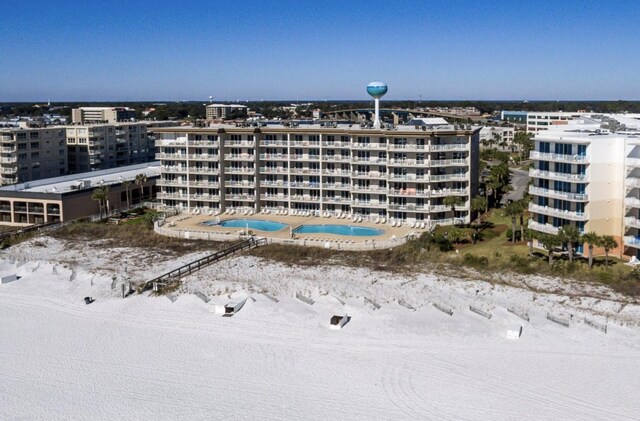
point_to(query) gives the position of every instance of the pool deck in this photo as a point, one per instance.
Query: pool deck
(189, 222)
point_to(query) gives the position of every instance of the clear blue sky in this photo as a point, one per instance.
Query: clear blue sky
(171, 50)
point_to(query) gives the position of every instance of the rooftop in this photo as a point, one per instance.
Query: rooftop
(87, 180)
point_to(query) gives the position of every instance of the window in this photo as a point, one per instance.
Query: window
(34, 135)
(34, 145)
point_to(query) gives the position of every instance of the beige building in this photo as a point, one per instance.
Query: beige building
(589, 176)
(225, 111)
(69, 197)
(404, 173)
(93, 147)
(84, 115)
(32, 153)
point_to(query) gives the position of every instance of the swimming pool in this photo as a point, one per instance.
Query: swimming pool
(338, 230)
(254, 224)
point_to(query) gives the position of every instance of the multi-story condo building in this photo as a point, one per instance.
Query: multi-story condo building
(588, 175)
(32, 153)
(225, 111)
(489, 134)
(404, 173)
(93, 147)
(84, 115)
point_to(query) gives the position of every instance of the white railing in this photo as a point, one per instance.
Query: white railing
(560, 213)
(557, 175)
(547, 228)
(558, 157)
(556, 194)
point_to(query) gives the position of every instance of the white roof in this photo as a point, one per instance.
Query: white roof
(87, 180)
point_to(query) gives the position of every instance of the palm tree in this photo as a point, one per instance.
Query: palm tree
(513, 210)
(530, 235)
(550, 242)
(453, 201)
(569, 234)
(608, 243)
(100, 195)
(127, 185)
(479, 205)
(592, 239)
(141, 180)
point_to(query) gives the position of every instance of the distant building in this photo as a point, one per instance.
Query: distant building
(536, 121)
(226, 111)
(489, 135)
(93, 147)
(32, 153)
(69, 197)
(84, 115)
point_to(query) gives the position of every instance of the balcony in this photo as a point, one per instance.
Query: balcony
(274, 183)
(631, 221)
(632, 241)
(368, 204)
(632, 162)
(242, 184)
(205, 170)
(204, 157)
(172, 156)
(265, 142)
(205, 197)
(449, 192)
(336, 158)
(336, 199)
(202, 183)
(274, 156)
(632, 182)
(373, 160)
(440, 208)
(409, 177)
(448, 177)
(240, 197)
(449, 147)
(5, 170)
(11, 160)
(369, 189)
(336, 186)
(281, 197)
(305, 158)
(560, 213)
(239, 170)
(370, 174)
(241, 143)
(449, 162)
(556, 194)
(304, 198)
(546, 228)
(172, 195)
(162, 182)
(304, 185)
(334, 172)
(632, 202)
(546, 156)
(239, 157)
(172, 142)
(409, 207)
(305, 143)
(408, 192)
(336, 144)
(311, 171)
(407, 163)
(274, 170)
(572, 178)
(373, 145)
(408, 148)
(204, 143)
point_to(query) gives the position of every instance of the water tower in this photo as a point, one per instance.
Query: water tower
(377, 91)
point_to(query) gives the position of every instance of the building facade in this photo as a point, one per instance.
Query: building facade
(32, 153)
(403, 173)
(588, 176)
(70, 197)
(84, 115)
(500, 137)
(225, 111)
(93, 147)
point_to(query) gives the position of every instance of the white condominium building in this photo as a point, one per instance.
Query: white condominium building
(588, 175)
(403, 173)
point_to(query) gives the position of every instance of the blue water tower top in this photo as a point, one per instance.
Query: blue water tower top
(377, 89)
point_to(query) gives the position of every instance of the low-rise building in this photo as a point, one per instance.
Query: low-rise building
(70, 197)
(225, 111)
(84, 115)
(498, 137)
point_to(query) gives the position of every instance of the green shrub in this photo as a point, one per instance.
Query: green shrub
(509, 234)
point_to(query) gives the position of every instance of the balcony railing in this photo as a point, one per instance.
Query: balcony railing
(632, 202)
(547, 228)
(576, 178)
(556, 194)
(449, 162)
(558, 157)
(560, 213)
(632, 221)
(632, 241)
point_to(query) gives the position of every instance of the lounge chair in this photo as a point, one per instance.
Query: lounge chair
(412, 224)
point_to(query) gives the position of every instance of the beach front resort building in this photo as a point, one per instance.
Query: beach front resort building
(402, 173)
(587, 174)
